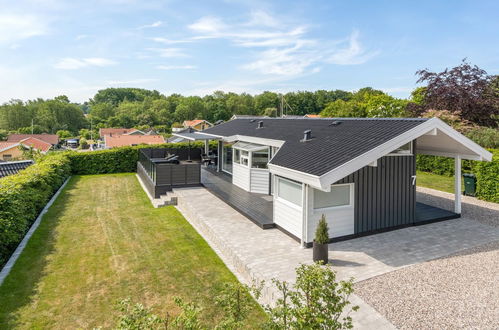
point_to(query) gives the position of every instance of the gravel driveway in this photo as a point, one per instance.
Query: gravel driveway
(458, 291)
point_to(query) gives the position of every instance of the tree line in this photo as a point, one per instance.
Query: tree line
(465, 91)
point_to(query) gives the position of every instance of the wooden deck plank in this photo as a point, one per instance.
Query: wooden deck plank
(256, 207)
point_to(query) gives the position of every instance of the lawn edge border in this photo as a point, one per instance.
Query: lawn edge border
(20, 248)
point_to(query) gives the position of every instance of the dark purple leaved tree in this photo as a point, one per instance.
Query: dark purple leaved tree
(465, 88)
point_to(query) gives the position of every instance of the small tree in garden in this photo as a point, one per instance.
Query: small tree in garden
(316, 301)
(322, 231)
(235, 300)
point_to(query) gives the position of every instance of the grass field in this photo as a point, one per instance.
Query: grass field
(435, 181)
(101, 242)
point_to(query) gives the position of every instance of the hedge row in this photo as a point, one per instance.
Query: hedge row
(23, 196)
(487, 176)
(487, 173)
(116, 160)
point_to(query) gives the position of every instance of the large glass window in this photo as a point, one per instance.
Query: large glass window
(289, 191)
(260, 158)
(338, 196)
(227, 157)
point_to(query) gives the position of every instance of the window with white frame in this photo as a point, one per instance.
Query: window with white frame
(244, 157)
(260, 158)
(237, 156)
(338, 196)
(406, 149)
(289, 191)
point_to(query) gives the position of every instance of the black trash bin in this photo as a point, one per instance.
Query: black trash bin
(469, 184)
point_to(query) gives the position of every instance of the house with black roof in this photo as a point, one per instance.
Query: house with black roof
(359, 172)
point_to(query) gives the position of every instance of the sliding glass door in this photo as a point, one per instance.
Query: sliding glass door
(227, 157)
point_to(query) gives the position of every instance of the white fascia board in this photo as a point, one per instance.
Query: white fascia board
(217, 136)
(468, 143)
(183, 137)
(387, 147)
(355, 164)
(309, 179)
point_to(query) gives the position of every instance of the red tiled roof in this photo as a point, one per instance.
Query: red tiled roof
(312, 116)
(7, 145)
(49, 138)
(129, 140)
(115, 131)
(192, 123)
(36, 144)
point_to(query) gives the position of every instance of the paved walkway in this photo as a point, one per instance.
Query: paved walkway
(256, 254)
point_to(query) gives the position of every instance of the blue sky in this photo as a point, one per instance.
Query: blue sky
(52, 47)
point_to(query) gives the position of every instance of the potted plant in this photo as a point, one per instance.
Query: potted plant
(320, 252)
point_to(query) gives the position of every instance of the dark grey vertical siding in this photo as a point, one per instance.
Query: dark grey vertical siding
(384, 195)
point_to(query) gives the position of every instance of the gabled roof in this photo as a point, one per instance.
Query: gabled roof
(10, 168)
(36, 144)
(115, 131)
(192, 123)
(339, 146)
(5, 145)
(129, 140)
(49, 138)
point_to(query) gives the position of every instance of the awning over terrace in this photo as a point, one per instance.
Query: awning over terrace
(195, 136)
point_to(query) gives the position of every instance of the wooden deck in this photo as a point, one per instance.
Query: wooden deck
(426, 214)
(256, 207)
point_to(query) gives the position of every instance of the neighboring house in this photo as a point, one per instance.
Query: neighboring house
(360, 173)
(10, 168)
(119, 131)
(312, 116)
(13, 150)
(53, 139)
(197, 124)
(111, 141)
(178, 139)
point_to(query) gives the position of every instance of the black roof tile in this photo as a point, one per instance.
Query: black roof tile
(9, 168)
(331, 145)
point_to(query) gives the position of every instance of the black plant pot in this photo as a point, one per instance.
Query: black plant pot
(320, 252)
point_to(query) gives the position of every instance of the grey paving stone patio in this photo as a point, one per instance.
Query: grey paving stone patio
(253, 253)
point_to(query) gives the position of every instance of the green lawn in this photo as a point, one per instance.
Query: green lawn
(101, 242)
(435, 181)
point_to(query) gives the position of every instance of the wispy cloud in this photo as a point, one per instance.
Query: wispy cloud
(169, 52)
(281, 48)
(152, 25)
(171, 41)
(131, 82)
(15, 27)
(70, 63)
(354, 53)
(176, 67)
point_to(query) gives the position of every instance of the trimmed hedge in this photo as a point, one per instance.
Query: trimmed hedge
(23, 196)
(116, 160)
(487, 173)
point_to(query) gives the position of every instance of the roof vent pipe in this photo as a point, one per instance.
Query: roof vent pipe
(260, 124)
(307, 135)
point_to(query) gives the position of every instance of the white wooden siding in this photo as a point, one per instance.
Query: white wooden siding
(288, 217)
(241, 176)
(259, 181)
(341, 219)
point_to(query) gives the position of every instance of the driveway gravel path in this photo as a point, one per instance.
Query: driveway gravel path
(460, 291)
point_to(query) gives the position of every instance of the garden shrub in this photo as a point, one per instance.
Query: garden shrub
(23, 196)
(487, 175)
(116, 160)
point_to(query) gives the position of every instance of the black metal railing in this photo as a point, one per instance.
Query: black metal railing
(160, 176)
